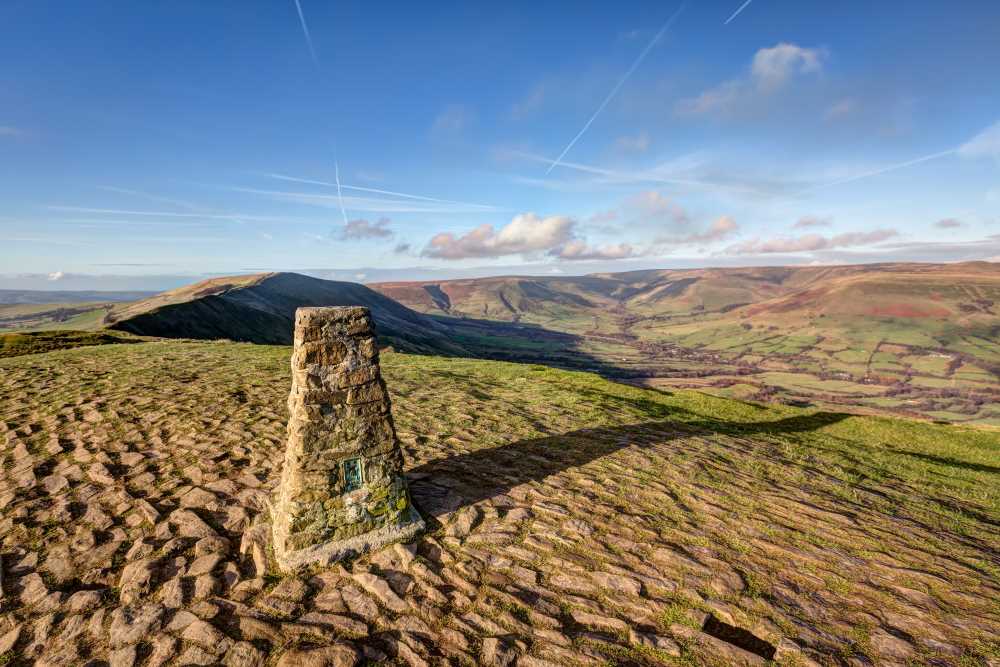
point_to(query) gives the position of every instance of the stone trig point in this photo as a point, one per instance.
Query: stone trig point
(342, 488)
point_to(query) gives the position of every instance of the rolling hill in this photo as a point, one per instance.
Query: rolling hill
(920, 339)
(914, 291)
(260, 309)
(914, 339)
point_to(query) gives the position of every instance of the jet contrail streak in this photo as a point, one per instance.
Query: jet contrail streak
(737, 12)
(358, 188)
(884, 170)
(638, 177)
(621, 82)
(156, 198)
(340, 195)
(305, 31)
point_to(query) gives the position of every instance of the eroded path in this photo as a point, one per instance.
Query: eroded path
(573, 521)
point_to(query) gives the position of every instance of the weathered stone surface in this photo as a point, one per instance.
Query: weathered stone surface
(132, 624)
(380, 588)
(342, 489)
(336, 655)
(243, 654)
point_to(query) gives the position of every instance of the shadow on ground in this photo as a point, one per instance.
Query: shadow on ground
(940, 460)
(448, 483)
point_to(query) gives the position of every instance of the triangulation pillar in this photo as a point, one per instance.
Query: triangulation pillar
(342, 488)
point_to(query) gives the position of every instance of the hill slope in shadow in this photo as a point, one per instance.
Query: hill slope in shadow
(261, 308)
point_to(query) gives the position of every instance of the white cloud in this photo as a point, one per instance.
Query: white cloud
(984, 144)
(359, 230)
(527, 233)
(771, 70)
(58, 275)
(580, 250)
(772, 67)
(810, 243)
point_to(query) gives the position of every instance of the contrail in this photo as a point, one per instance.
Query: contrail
(737, 12)
(305, 31)
(638, 177)
(357, 203)
(621, 82)
(358, 188)
(174, 214)
(155, 198)
(883, 170)
(340, 195)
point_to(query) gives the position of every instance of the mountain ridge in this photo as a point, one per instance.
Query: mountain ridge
(260, 308)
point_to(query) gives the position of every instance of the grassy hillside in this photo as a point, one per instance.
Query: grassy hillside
(49, 316)
(860, 336)
(261, 308)
(573, 520)
(35, 342)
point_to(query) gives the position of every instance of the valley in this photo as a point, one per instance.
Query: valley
(918, 340)
(913, 339)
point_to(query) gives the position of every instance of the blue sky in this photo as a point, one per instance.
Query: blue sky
(144, 143)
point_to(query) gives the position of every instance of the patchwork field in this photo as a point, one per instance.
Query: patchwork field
(912, 339)
(573, 521)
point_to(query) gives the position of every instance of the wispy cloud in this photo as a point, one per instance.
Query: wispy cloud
(986, 144)
(841, 109)
(452, 120)
(530, 103)
(661, 174)
(154, 198)
(883, 170)
(391, 193)
(811, 243)
(361, 230)
(949, 223)
(45, 240)
(738, 11)
(369, 204)
(579, 250)
(721, 229)
(771, 69)
(305, 32)
(633, 144)
(810, 222)
(621, 82)
(232, 217)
